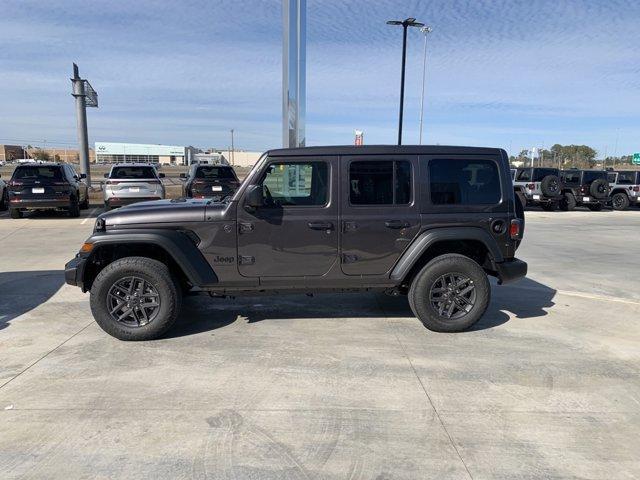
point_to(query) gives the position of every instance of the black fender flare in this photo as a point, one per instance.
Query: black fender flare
(425, 240)
(176, 243)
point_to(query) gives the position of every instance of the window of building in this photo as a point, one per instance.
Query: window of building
(386, 182)
(297, 184)
(464, 182)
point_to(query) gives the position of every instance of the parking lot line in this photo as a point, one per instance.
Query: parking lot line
(89, 216)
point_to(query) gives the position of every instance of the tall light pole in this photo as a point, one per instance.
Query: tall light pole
(426, 30)
(409, 22)
(233, 151)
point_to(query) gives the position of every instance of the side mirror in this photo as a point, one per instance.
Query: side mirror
(254, 197)
(183, 175)
(106, 175)
(83, 175)
(161, 175)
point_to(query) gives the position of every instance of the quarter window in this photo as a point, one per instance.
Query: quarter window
(524, 175)
(464, 182)
(296, 184)
(386, 182)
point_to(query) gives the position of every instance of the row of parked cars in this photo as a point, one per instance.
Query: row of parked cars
(57, 186)
(551, 188)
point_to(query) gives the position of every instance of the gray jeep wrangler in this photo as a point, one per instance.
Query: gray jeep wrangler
(625, 188)
(427, 222)
(538, 186)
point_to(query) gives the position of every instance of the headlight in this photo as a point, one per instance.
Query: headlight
(100, 225)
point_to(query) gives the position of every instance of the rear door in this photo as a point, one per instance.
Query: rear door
(379, 212)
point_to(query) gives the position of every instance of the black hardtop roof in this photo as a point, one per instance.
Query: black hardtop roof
(383, 150)
(39, 164)
(538, 168)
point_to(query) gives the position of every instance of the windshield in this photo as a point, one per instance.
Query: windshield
(38, 172)
(215, 173)
(133, 172)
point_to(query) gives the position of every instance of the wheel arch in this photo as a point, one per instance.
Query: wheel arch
(472, 242)
(619, 190)
(174, 248)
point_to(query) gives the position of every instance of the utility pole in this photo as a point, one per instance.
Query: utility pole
(85, 97)
(294, 61)
(233, 152)
(409, 22)
(426, 31)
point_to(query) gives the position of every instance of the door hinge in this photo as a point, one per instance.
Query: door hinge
(246, 227)
(246, 260)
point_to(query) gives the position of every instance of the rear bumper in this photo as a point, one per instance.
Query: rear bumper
(38, 203)
(74, 272)
(510, 271)
(122, 201)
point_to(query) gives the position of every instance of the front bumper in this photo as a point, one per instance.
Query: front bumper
(510, 271)
(74, 272)
(38, 203)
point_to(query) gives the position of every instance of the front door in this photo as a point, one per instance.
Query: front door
(294, 234)
(379, 213)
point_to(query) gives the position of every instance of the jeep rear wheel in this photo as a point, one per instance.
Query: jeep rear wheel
(450, 293)
(15, 213)
(568, 202)
(135, 298)
(4, 201)
(620, 201)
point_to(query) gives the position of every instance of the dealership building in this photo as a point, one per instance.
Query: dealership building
(109, 152)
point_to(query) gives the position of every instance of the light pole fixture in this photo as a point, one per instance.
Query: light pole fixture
(426, 30)
(409, 22)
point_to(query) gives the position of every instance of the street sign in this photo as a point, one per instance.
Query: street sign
(91, 96)
(636, 158)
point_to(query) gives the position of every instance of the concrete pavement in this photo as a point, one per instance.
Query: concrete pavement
(333, 386)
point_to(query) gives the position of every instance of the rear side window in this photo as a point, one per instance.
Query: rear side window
(386, 182)
(35, 172)
(611, 177)
(627, 178)
(215, 173)
(571, 177)
(524, 175)
(464, 182)
(133, 172)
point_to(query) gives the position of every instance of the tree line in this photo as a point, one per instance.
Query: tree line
(566, 156)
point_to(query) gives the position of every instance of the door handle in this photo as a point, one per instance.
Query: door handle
(320, 225)
(396, 224)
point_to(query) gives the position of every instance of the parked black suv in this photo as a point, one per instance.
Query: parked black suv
(427, 222)
(47, 186)
(538, 186)
(589, 188)
(210, 181)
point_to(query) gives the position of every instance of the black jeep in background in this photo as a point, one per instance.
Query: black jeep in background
(426, 222)
(210, 181)
(589, 188)
(47, 186)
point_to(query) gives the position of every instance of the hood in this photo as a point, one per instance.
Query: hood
(160, 211)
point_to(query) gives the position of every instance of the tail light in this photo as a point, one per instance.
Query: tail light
(515, 229)
(636, 188)
(531, 186)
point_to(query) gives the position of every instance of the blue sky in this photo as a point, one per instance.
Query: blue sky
(500, 73)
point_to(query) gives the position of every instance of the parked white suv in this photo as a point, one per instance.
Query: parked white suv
(128, 183)
(625, 189)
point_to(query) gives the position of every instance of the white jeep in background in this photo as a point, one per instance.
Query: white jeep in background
(625, 189)
(538, 186)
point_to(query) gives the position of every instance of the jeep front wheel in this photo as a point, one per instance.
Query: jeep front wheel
(135, 298)
(568, 202)
(450, 293)
(620, 201)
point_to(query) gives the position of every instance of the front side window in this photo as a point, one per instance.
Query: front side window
(464, 182)
(296, 184)
(386, 182)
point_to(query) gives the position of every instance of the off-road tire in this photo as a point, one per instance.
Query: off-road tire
(74, 208)
(595, 207)
(422, 283)
(551, 186)
(15, 213)
(85, 204)
(4, 201)
(152, 271)
(599, 188)
(522, 198)
(620, 201)
(549, 207)
(567, 202)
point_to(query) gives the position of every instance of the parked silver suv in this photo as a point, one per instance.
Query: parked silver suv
(625, 189)
(128, 183)
(538, 186)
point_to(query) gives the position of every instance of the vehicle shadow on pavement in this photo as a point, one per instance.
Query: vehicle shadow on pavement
(525, 299)
(21, 292)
